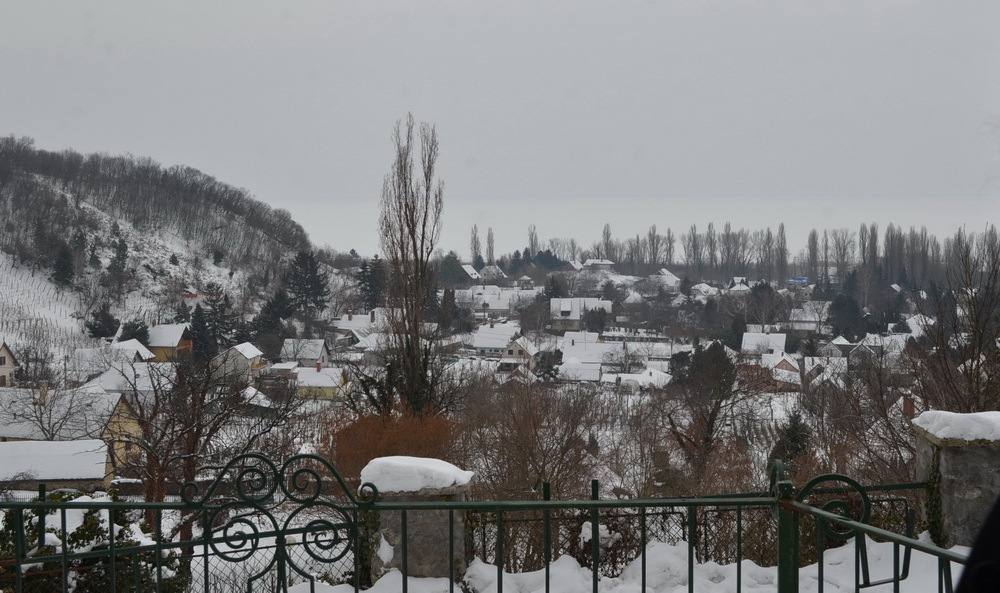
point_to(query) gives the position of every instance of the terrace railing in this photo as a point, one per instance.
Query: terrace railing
(264, 526)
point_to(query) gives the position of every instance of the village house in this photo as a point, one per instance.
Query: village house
(755, 343)
(8, 365)
(320, 383)
(243, 362)
(492, 339)
(598, 265)
(567, 314)
(519, 353)
(306, 352)
(168, 340)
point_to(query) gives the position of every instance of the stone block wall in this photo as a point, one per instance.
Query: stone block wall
(427, 535)
(963, 480)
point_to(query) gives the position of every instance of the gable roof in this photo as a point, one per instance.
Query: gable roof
(134, 347)
(294, 349)
(248, 350)
(5, 348)
(167, 335)
(471, 271)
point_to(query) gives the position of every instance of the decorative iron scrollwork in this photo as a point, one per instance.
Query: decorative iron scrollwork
(259, 510)
(840, 506)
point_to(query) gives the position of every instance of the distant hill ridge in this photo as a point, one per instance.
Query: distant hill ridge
(80, 230)
(41, 194)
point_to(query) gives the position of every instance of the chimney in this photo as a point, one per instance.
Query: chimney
(350, 315)
(908, 409)
(373, 315)
(43, 392)
(319, 366)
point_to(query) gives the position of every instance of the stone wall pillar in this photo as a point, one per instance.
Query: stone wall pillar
(958, 455)
(427, 535)
(430, 534)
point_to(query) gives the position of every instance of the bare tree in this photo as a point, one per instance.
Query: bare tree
(607, 243)
(56, 413)
(654, 246)
(410, 226)
(475, 247)
(843, 250)
(694, 250)
(532, 239)
(781, 255)
(525, 435)
(668, 247)
(711, 248)
(959, 370)
(812, 247)
(183, 416)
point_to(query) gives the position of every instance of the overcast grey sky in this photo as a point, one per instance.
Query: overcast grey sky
(567, 114)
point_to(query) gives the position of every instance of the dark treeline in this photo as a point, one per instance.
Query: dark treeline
(41, 193)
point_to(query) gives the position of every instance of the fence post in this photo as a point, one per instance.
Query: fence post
(788, 540)
(595, 535)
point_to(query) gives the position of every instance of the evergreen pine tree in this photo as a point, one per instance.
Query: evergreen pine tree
(135, 329)
(793, 440)
(218, 316)
(181, 313)
(203, 346)
(307, 284)
(370, 283)
(62, 268)
(102, 324)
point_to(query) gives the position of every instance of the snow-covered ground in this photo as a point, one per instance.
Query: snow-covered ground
(667, 572)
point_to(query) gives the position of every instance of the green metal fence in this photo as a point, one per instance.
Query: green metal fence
(263, 526)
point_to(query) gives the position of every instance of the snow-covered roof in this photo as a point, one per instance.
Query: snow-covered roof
(572, 369)
(411, 474)
(668, 277)
(649, 378)
(294, 349)
(633, 298)
(324, 377)
(495, 337)
(141, 377)
(981, 426)
(471, 271)
(574, 308)
(771, 360)
(76, 413)
(54, 460)
(493, 271)
(134, 346)
(254, 397)
(284, 366)
(166, 335)
(248, 350)
(598, 262)
(754, 342)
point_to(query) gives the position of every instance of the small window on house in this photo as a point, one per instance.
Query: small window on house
(511, 351)
(3, 360)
